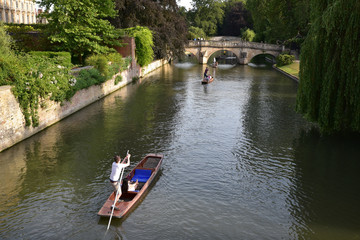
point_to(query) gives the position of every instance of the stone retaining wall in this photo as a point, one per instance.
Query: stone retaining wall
(12, 122)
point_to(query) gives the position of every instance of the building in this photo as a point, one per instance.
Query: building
(18, 11)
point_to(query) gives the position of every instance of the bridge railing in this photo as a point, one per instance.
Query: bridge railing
(233, 44)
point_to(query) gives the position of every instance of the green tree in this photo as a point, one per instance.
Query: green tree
(81, 26)
(236, 18)
(207, 15)
(163, 18)
(279, 20)
(195, 32)
(329, 89)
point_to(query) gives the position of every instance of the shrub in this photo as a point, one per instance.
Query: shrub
(101, 63)
(61, 58)
(284, 59)
(118, 79)
(29, 37)
(108, 64)
(88, 78)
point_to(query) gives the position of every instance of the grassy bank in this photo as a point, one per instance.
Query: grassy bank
(292, 69)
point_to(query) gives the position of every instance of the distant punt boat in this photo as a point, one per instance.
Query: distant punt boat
(145, 172)
(207, 80)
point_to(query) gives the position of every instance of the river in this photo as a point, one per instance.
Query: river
(239, 163)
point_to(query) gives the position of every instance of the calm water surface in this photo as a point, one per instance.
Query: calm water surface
(239, 164)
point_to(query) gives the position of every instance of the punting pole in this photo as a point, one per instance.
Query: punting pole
(117, 192)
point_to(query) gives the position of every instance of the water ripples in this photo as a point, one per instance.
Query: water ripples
(235, 165)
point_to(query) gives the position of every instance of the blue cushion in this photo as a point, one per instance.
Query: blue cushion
(142, 175)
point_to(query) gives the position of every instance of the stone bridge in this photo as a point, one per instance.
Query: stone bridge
(243, 50)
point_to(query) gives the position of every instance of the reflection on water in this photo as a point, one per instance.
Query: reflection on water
(185, 65)
(226, 66)
(258, 65)
(239, 164)
(326, 193)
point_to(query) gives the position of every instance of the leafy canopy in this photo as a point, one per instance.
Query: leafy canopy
(195, 33)
(279, 20)
(207, 15)
(163, 18)
(81, 26)
(236, 18)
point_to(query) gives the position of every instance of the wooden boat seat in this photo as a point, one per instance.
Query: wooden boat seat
(142, 175)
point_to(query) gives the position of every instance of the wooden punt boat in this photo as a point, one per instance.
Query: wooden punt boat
(207, 80)
(145, 172)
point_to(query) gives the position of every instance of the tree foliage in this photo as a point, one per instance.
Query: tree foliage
(163, 18)
(207, 15)
(236, 18)
(195, 33)
(279, 20)
(80, 26)
(329, 90)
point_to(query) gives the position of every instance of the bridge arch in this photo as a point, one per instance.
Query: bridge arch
(244, 51)
(253, 54)
(194, 52)
(212, 51)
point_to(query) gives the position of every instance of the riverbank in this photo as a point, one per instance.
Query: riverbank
(12, 122)
(291, 70)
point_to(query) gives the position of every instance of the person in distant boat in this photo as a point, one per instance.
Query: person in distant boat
(205, 73)
(116, 169)
(215, 63)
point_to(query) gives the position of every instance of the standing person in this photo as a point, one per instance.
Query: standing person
(116, 170)
(215, 62)
(205, 73)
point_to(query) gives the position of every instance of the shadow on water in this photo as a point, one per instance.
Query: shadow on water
(326, 192)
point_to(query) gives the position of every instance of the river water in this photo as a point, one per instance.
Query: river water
(239, 163)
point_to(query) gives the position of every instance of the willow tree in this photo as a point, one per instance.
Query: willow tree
(329, 89)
